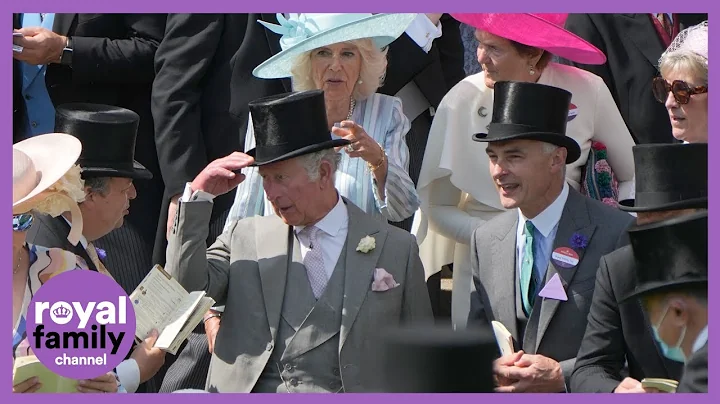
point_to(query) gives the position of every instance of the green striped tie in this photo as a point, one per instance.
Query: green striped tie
(526, 269)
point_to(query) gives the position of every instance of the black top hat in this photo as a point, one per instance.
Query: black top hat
(669, 176)
(107, 134)
(670, 253)
(530, 111)
(290, 125)
(430, 359)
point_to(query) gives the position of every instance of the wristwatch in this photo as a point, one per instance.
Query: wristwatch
(66, 56)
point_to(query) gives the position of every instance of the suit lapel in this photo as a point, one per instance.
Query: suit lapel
(502, 281)
(61, 229)
(359, 266)
(647, 41)
(63, 22)
(574, 220)
(273, 271)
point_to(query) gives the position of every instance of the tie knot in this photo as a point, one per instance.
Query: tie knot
(529, 228)
(310, 233)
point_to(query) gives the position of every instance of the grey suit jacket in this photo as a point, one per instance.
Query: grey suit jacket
(246, 269)
(560, 325)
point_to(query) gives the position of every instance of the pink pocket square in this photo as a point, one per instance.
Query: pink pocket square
(383, 281)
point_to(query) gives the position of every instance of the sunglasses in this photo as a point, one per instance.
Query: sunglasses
(680, 89)
(22, 222)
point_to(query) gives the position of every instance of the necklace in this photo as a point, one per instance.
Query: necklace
(19, 261)
(352, 108)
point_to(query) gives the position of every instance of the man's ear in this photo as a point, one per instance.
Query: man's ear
(559, 158)
(325, 171)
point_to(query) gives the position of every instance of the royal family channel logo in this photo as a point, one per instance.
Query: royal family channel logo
(81, 324)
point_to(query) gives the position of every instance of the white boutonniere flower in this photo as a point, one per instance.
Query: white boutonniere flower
(367, 244)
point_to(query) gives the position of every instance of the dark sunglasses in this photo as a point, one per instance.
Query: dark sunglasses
(22, 222)
(680, 89)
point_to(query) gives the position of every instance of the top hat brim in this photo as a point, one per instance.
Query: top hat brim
(297, 152)
(657, 286)
(628, 205)
(532, 30)
(52, 154)
(382, 28)
(137, 172)
(573, 148)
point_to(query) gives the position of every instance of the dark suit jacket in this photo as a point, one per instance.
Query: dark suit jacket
(112, 64)
(633, 48)
(617, 333)
(52, 232)
(695, 375)
(202, 87)
(555, 328)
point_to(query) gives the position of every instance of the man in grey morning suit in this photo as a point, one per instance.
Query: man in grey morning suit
(305, 324)
(534, 267)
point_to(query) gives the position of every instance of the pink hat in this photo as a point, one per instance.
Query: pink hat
(544, 31)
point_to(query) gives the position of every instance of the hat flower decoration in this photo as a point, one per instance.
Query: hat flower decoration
(302, 33)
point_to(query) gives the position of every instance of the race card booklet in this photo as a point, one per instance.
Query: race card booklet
(160, 302)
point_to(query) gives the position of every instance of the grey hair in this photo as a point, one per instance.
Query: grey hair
(97, 185)
(687, 62)
(311, 162)
(372, 70)
(549, 148)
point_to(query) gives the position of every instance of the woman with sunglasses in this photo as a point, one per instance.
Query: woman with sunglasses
(46, 180)
(683, 87)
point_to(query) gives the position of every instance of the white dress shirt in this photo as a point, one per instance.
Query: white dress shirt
(546, 223)
(701, 340)
(331, 237)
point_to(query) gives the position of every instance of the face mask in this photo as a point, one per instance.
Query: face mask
(674, 353)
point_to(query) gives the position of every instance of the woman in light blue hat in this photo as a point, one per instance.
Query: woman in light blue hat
(345, 56)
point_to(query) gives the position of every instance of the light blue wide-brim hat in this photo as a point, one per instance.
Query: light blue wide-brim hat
(304, 32)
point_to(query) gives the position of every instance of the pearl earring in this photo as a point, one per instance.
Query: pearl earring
(532, 70)
(360, 81)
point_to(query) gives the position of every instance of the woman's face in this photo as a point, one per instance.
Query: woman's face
(501, 61)
(689, 121)
(336, 69)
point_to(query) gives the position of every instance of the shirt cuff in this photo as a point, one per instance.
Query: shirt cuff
(197, 196)
(423, 31)
(128, 373)
(220, 309)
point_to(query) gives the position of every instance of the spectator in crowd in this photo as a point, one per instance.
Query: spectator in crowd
(298, 316)
(456, 193)
(671, 180)
(672, 270)
(534, 265)
(683, 86)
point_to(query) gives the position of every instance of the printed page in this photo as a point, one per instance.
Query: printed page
(195, 318)
(503, 337)
(155, 300)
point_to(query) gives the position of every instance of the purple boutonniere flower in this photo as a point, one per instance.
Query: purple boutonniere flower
(578, 241)
(101, 253)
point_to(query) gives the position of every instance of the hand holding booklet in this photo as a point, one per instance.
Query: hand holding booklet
(664, 385)
(29, 366)
(160, 302)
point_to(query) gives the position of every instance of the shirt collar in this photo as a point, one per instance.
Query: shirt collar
(701, 339)
(546, 221)
(333, 222)
(83, 240)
